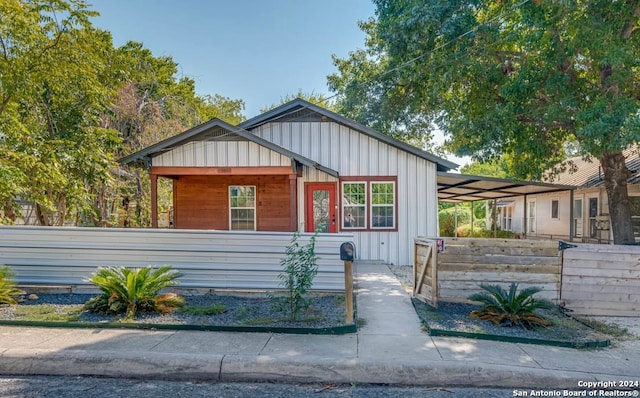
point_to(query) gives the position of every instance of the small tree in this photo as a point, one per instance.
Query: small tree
(300, 269)
(509, 308)
(132, 290)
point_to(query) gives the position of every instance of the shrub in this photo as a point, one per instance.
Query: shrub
(511, 308)
(132, 290)
(8, 289)
(300, 269)
(480, 232)
(450, 217)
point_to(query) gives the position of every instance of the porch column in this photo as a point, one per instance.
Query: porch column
(154, 200)
(571, 215)
(293, 202)
(524, 219)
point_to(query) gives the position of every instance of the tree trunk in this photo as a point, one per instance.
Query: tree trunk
(9, 208)
(615, 181)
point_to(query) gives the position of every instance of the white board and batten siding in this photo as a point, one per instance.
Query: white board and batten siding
(353, 154)
(221, 154)
(207, 259)
(602, 280)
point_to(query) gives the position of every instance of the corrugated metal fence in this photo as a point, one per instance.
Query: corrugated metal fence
(208, 259)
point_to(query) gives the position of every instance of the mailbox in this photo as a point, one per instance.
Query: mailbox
(347, 251)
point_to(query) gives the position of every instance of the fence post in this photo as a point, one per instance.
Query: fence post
(347, 254)
(348, 292)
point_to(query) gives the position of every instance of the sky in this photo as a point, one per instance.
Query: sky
(259, 51)
(255, 50)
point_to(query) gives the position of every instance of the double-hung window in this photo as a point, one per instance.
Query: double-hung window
(242, 208)
(369, 204)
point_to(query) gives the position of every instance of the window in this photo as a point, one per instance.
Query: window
(532, 217)
(577, 208)
(554, 209)
(242, 208)
(507, 212)
(593, 213)
(369, 205)
(354, 205)
(382, 204)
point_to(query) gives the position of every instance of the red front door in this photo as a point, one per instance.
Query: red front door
(320, 207)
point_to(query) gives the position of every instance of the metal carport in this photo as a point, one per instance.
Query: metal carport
(460, 188)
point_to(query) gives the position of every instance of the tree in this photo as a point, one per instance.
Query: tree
(71, 104)
(152, 103)
(311, 97)
(51, 98)
(521, 78)
(497, 168)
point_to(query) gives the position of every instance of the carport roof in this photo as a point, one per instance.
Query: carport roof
(457, 188)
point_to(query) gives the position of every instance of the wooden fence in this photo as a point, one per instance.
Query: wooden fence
(602, 280)
(425, 285)
(207, 259)
(468, 262)
(589, 279)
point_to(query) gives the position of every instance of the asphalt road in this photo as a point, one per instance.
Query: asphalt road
(87, 387)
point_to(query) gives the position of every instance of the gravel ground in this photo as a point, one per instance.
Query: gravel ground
(455, 317)
(325, 311)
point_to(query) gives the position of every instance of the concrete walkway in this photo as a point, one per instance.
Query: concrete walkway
(389, 348)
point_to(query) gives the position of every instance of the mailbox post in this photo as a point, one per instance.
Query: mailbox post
(347, 254)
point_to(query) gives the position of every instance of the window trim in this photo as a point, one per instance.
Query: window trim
(368, 205)
(255, 208)
(371, 205)
(557, 215)
(532, 220)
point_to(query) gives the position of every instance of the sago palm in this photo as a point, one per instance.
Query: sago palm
(131, 290)
(8, 289)
(511, 307)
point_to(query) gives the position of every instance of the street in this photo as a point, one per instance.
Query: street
(84, 387)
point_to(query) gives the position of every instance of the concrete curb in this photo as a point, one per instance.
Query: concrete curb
(253, 368)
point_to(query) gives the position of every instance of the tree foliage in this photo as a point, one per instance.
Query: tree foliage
(512, 77)
(71, 104)
(129, 291)
(312, 97)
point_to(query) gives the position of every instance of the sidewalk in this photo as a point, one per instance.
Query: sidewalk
(390, 348)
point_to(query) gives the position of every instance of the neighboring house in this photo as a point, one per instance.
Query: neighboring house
(550, 215)
(300, 166)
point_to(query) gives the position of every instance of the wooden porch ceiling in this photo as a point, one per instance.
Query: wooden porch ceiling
(458, 188)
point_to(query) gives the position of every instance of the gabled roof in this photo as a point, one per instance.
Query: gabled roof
(298, 104)
(205, 132)
(587, 173)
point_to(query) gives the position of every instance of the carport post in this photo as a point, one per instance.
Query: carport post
(472, 202)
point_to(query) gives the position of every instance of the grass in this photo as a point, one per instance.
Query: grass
(617, 332)
(47, 313)
(214, 309)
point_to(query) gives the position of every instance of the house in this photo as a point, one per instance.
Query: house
(583, 215)
(300, 166)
